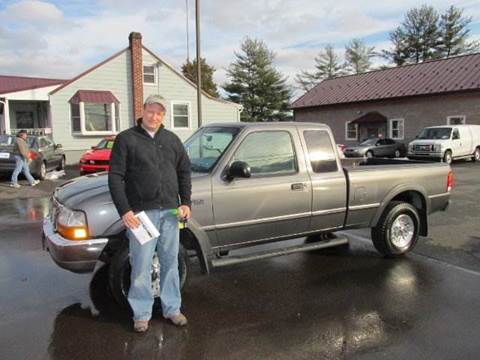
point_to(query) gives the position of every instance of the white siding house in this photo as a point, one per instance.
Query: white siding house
(100, 101)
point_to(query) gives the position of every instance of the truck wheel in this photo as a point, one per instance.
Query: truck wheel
(448, 157)
(369, 154)
(397, 230)
(61, 164)
(42, 171)
(476, 154)
(120, 269)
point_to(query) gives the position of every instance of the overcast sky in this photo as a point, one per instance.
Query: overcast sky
(62, 38)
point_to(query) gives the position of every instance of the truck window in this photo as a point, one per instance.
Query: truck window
(268, 153)
(320, 151)
(456, 134)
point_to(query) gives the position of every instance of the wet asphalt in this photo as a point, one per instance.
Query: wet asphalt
(335, 304)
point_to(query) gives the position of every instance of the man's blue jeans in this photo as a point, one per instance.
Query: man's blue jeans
(140, 295)
(21, 165)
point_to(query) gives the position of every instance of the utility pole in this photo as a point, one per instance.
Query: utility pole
(188, 32)
(199, 69)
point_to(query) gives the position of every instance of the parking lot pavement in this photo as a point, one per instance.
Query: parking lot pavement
(321, 305)
(45, 188)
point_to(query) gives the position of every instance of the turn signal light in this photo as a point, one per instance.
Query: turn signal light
(73, 232)
(450, 181)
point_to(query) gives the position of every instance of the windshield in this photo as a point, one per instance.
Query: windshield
(9, 140)
(207, 145)
(435, 133)
(369, 142)
(104, 144)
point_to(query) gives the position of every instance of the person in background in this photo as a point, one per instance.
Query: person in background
(20, 153)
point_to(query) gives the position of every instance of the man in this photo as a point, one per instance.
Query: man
(150, 171)
(20, 153)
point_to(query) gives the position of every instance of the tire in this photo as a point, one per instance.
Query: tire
(447, 157)
(397, 154)
(61, 165)
(397, 214)
(42, 171)
(476, 154)
(119, 273)
(369, 154)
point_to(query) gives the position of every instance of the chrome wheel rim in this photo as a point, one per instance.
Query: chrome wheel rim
(477, 154)
(369, 155)
(43, 170)
(397, 153)
(402, 231)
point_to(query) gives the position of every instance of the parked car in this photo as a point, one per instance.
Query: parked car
(98, 158)
(44, 153)
(377, 147)
(256, 183)
(447, 143)
(341, 149)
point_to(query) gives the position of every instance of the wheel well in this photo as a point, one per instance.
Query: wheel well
(417, 200)
(190, 242)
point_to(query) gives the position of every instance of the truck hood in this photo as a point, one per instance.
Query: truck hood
(81, 192)
(428, 142)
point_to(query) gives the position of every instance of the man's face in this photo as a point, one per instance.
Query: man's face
(153, 116)
(23, 136)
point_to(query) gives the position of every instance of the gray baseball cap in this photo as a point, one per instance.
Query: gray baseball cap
(155, 99)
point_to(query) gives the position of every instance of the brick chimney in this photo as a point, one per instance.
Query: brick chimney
(135, 40)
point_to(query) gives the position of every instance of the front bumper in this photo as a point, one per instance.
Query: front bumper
(77, 256)
(87, 169)
(424, 155)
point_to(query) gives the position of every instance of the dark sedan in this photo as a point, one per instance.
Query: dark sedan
(376, 147)
(44, 153)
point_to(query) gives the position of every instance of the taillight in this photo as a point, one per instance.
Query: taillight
(450, 181)
(32, 155)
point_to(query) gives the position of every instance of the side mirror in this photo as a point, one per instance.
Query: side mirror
(238, 169)
(94, 148)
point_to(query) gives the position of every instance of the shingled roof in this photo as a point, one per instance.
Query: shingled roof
(10, 84)
(454, 74)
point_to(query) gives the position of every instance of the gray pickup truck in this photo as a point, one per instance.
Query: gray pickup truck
(255, 183)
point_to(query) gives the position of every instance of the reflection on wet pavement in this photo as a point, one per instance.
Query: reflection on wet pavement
(321, 305)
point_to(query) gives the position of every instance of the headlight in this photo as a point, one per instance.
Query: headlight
(72, 224)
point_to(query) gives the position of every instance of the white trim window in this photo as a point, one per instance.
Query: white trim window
(351, 131)
(456, 120)
(149, 75)
(396, 129)
(181, 114)
(95, 118)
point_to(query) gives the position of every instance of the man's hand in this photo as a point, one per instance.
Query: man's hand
(185, 212)
(130, 221)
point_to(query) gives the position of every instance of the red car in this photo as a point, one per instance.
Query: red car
(97, 159)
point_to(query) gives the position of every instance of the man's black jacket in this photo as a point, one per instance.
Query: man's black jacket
(148, 173)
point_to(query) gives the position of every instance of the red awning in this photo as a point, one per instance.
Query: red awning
(369, 118)
(94, 96)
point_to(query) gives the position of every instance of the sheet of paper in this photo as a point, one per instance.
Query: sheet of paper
(146, 231)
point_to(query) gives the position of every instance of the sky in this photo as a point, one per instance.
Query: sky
(59, 39)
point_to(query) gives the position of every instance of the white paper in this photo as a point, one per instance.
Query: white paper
(146, 231)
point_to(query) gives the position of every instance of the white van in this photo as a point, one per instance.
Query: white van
(449, 142)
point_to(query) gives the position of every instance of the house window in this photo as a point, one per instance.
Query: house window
(149, 74)
(351, 131)
(95, 118)
(456, 120)
(396, 129)
(181, 115)
(75, 113)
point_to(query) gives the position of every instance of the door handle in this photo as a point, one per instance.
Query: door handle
(298, 186)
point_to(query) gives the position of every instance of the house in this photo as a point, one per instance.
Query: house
(396, 102)
(106, 99)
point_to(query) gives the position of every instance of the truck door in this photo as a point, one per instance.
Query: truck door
(275, 201)
(456, 143)
(329, 185)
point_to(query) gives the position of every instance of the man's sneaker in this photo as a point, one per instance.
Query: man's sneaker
(16, 186)
(140, 325)
(35, 182)
(178, 319)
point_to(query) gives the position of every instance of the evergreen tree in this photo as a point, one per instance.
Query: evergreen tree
(454, 34)
(256, 84)
(189, 70)
(358, 56)
(327, 66)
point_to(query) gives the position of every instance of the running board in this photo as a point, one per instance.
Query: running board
(231, 260)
